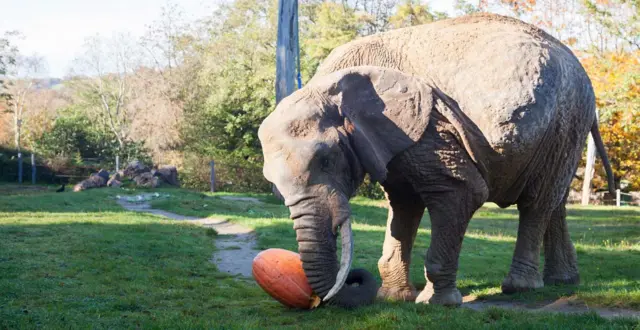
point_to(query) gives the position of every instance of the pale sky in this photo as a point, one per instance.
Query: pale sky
(56, 29)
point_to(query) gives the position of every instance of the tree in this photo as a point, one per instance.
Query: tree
(331, 25)
(8, 54)
(621, 18)
(413, 12)
(24, 82)
(165, 83)
(616, 81)
(105, 88)
(463, 7)
(235, 92)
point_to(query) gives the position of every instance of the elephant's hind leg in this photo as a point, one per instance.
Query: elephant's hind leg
(560, 261)
(405, 212)
(524, 274)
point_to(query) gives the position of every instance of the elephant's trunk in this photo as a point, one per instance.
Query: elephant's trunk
(315, 224)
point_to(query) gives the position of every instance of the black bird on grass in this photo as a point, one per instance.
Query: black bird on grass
(61, 189)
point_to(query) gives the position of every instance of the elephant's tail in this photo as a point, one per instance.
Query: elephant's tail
(595, 133)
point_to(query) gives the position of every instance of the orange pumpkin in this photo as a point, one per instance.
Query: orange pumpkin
(279, 272)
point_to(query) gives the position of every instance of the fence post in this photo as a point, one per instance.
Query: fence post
(33, 169)
(19, 167)
(117, 163)
(213, 177)
(588, 171)
(618, 197)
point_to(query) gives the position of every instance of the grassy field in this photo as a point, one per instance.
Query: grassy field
(78, 260)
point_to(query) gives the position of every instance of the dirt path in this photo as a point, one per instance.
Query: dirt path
(235, 247)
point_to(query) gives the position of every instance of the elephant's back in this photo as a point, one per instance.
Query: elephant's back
(504, 74)
(513, 80)
(519, 85)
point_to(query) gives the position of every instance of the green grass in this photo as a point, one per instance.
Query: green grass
(607, 241)
(78, 260)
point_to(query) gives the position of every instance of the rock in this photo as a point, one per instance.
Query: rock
(146, 180)
(134, 169)
(103, 174)
(117, 177)
(94, 181)
(114, 182)
(168, 174)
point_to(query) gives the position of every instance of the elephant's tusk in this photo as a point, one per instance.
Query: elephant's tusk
(345, 260)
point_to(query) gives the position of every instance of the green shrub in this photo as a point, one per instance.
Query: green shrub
(370, 189)
(74, 138)
(233, 173)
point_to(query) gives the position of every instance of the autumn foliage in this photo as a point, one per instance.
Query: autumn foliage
(616, 81)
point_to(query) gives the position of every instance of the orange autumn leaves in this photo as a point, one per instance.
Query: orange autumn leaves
(616, 81)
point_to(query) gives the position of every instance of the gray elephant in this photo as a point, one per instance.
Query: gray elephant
(446, 116)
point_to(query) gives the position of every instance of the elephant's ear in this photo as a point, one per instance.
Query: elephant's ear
(385, 112)
(472, 138)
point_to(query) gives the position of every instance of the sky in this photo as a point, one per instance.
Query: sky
(56, 29)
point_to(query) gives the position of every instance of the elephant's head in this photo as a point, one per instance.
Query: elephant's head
(319, 143)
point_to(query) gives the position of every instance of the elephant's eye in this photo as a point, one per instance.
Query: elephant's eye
(326, 163)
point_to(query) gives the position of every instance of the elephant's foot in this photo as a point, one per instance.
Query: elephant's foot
(561, 266)
(407, 293)
(446, 297)
(562, 278)
(515, 282)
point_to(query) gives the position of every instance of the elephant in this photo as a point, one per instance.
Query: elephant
(446, 116)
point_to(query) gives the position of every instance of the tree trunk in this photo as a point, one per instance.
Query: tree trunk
(588, 170)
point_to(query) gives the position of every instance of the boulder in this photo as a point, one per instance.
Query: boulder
(146, 180)
(103, 174)
(114, 182)
(117, 176)
(168, 174)
(134, 169)
(94, 181)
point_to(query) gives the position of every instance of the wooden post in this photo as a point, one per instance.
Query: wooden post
(212, 179)
(286, 49)
(33, 169)
(286, 52)
(19, 167)
(588, 170)
(618, 197)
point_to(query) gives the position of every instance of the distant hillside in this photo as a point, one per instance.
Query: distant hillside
(49, 83)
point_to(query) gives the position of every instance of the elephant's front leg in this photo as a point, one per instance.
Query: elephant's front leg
(405, 212)
(450, 213)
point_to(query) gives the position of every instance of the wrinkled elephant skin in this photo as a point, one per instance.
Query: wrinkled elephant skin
(446, 116)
